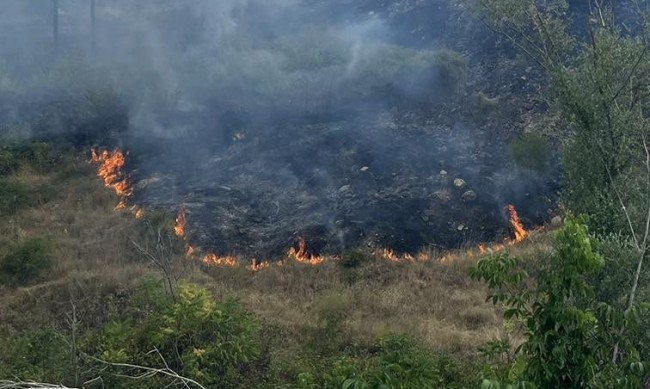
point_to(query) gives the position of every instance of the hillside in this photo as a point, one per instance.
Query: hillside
(308, 314)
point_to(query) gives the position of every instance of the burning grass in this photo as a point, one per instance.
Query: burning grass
(95, 267)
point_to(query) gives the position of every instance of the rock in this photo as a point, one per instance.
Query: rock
(468, 196)
(557, 222)
(460, 227)
(459, 183)
(443, 172)
(344, 188)
(364, 169)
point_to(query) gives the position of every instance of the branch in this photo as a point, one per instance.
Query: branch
(148, 372)
(6, 384)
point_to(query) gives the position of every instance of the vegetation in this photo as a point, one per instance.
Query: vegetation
(96, 298)
(26, 262)
(530, 151)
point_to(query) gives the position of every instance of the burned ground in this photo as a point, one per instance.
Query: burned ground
(381, 183)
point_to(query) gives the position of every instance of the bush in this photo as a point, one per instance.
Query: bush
(213, 343)
(13, 196)
(354, 258)
(41, 356)
(26, 262)
(41, 156)
(400, 363)
(530, 151)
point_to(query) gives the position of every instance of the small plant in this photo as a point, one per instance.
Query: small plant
(354, 258)
(13, 196)
(27, 262)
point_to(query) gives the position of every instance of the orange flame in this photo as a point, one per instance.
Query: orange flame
(301, 255)
(181, 221)
(110, 171)
(257, 266)
(520, 231)
(215, 260)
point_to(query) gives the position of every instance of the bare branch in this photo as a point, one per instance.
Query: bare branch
(148, 372)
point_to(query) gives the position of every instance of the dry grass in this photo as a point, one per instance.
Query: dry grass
(94, 268)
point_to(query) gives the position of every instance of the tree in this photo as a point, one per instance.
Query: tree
(568, 333)
(597, 77)
(598, 83)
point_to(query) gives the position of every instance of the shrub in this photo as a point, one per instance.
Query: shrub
(13, 196)
(41, 156)
(355, 258)
(213, 343)
(530, 151)
(41, 356)
(401, 363)
(27, 261)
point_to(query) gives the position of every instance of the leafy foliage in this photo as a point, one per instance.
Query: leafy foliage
(26, 262)
(568, 333)
(211, 342)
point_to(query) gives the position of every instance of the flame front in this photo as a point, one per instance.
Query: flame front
(181, 221)
(520, 231)
(212, 259)
(301, 256)
(257, 266)
(110, 171)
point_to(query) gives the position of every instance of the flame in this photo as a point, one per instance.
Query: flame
(520, 231)
(110, 171)
(181, 221)
(215, 260)
(257, 266)
(189, 251)
(301, 255)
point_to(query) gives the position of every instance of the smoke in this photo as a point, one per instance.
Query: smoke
(269, 119)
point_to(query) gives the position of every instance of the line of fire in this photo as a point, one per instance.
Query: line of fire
(110, 168)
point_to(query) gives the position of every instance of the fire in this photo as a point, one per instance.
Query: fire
(189, 251)
(215, 260)
(520, 231)
(391, 256)
(181, 221)
(257, 266)
(301, 255)
(110, 171)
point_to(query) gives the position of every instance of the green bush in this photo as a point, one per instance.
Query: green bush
(212, 343)
(399, 363)
(13, 196)
(354, 258)
(41, 356)
(26, 262)
(40, 156)
(530, 151)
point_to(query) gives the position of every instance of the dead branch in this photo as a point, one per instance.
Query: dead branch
(6, 384)
(144, 372)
